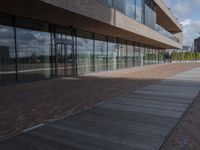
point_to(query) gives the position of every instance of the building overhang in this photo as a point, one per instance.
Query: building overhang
(166, 19)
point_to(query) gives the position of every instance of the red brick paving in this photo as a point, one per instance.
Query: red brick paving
(28, 104)
(187, 134)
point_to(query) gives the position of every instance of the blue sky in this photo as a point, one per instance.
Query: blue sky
(188, 12)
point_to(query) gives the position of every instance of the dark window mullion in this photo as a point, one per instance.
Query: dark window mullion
(16, 51)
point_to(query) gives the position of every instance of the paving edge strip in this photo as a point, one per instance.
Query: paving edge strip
(86, 108)
(179, 121)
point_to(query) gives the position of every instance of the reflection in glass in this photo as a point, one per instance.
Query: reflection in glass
(141, 56)
(33, 53)
(131, 8)
(100, 53)
(137, 55)
(112, 53)
(122, 54)
(84, 52)
(139, 10)
(120, 5)
(64, 52)
(161, 56)
(150, 14)
(7, 52)
(130, 54)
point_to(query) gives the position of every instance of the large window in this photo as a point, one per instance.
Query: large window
(150, 14)
(137, 55)
(122, 54)
(34, 50)
(100, 53)
(112, 53)
(7, 51)
(130, 54)
(160, 56)
(131, 8)
(120, 5)
(146, 56)
(139, 10)
(142, 55)
(85, 47)
(151, 56)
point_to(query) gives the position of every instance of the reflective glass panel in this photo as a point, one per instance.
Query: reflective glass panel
(139, 10)
(131, 8)
(120, 5)
(150, 14)
(137, 55)
(84, 52)
(122, 54)
(100, 53)
(130, 54)
(7, 51)
(141, 56)
(34, 50)
(112, 53)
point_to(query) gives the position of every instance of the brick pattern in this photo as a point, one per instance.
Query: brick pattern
(28, 104)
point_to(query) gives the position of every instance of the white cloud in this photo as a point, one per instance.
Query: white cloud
(191, 29)
(187, 11)
(183, 8)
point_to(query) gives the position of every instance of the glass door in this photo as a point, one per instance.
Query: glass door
(65, 65)
(65, 56)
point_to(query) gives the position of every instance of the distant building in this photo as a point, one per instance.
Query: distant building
(197, 45)
(184, 49)
(187, 49)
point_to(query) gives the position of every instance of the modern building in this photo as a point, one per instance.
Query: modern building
(57, 38)
(197, 45)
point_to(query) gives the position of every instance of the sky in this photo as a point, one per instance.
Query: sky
(188, 13)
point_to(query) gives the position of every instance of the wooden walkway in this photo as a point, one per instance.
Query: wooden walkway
(139, 120)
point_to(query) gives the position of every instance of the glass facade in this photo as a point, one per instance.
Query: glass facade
(122, 53)
(131, 8)
(139, 10)
(85, 52)
(7, 51)
(136, 55)
(142, 53)
(150, 14)
(112, 53)
(32, 50)
(64, 52)
(143, 11)
(100, 53)
(130, 54)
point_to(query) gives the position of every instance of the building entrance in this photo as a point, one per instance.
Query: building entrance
(64, 50)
